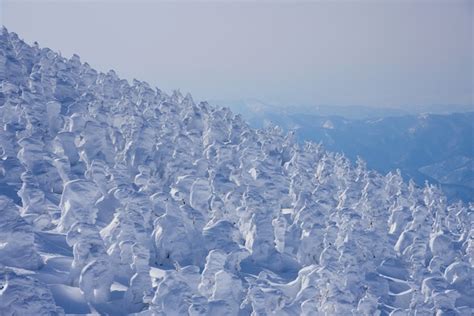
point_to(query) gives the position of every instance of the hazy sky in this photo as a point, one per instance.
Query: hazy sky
(376, 53)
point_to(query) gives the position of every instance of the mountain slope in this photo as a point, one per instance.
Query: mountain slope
(133, 201)
(411, 143)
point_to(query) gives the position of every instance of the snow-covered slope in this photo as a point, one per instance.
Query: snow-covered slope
(438, 148)
(117, 198)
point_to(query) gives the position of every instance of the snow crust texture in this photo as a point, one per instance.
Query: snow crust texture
(116, 198)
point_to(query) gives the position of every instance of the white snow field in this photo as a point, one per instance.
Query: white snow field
(116, 198)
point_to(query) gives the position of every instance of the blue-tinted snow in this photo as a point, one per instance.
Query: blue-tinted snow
(133, 201)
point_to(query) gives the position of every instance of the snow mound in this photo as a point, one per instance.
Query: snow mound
(17, 247)
(24, 295)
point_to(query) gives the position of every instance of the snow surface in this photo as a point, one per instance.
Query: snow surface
(116, 198)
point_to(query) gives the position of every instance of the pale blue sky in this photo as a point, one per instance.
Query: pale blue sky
(391, 53)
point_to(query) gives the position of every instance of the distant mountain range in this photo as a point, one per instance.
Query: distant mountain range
(437, 146)
(253, 109)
